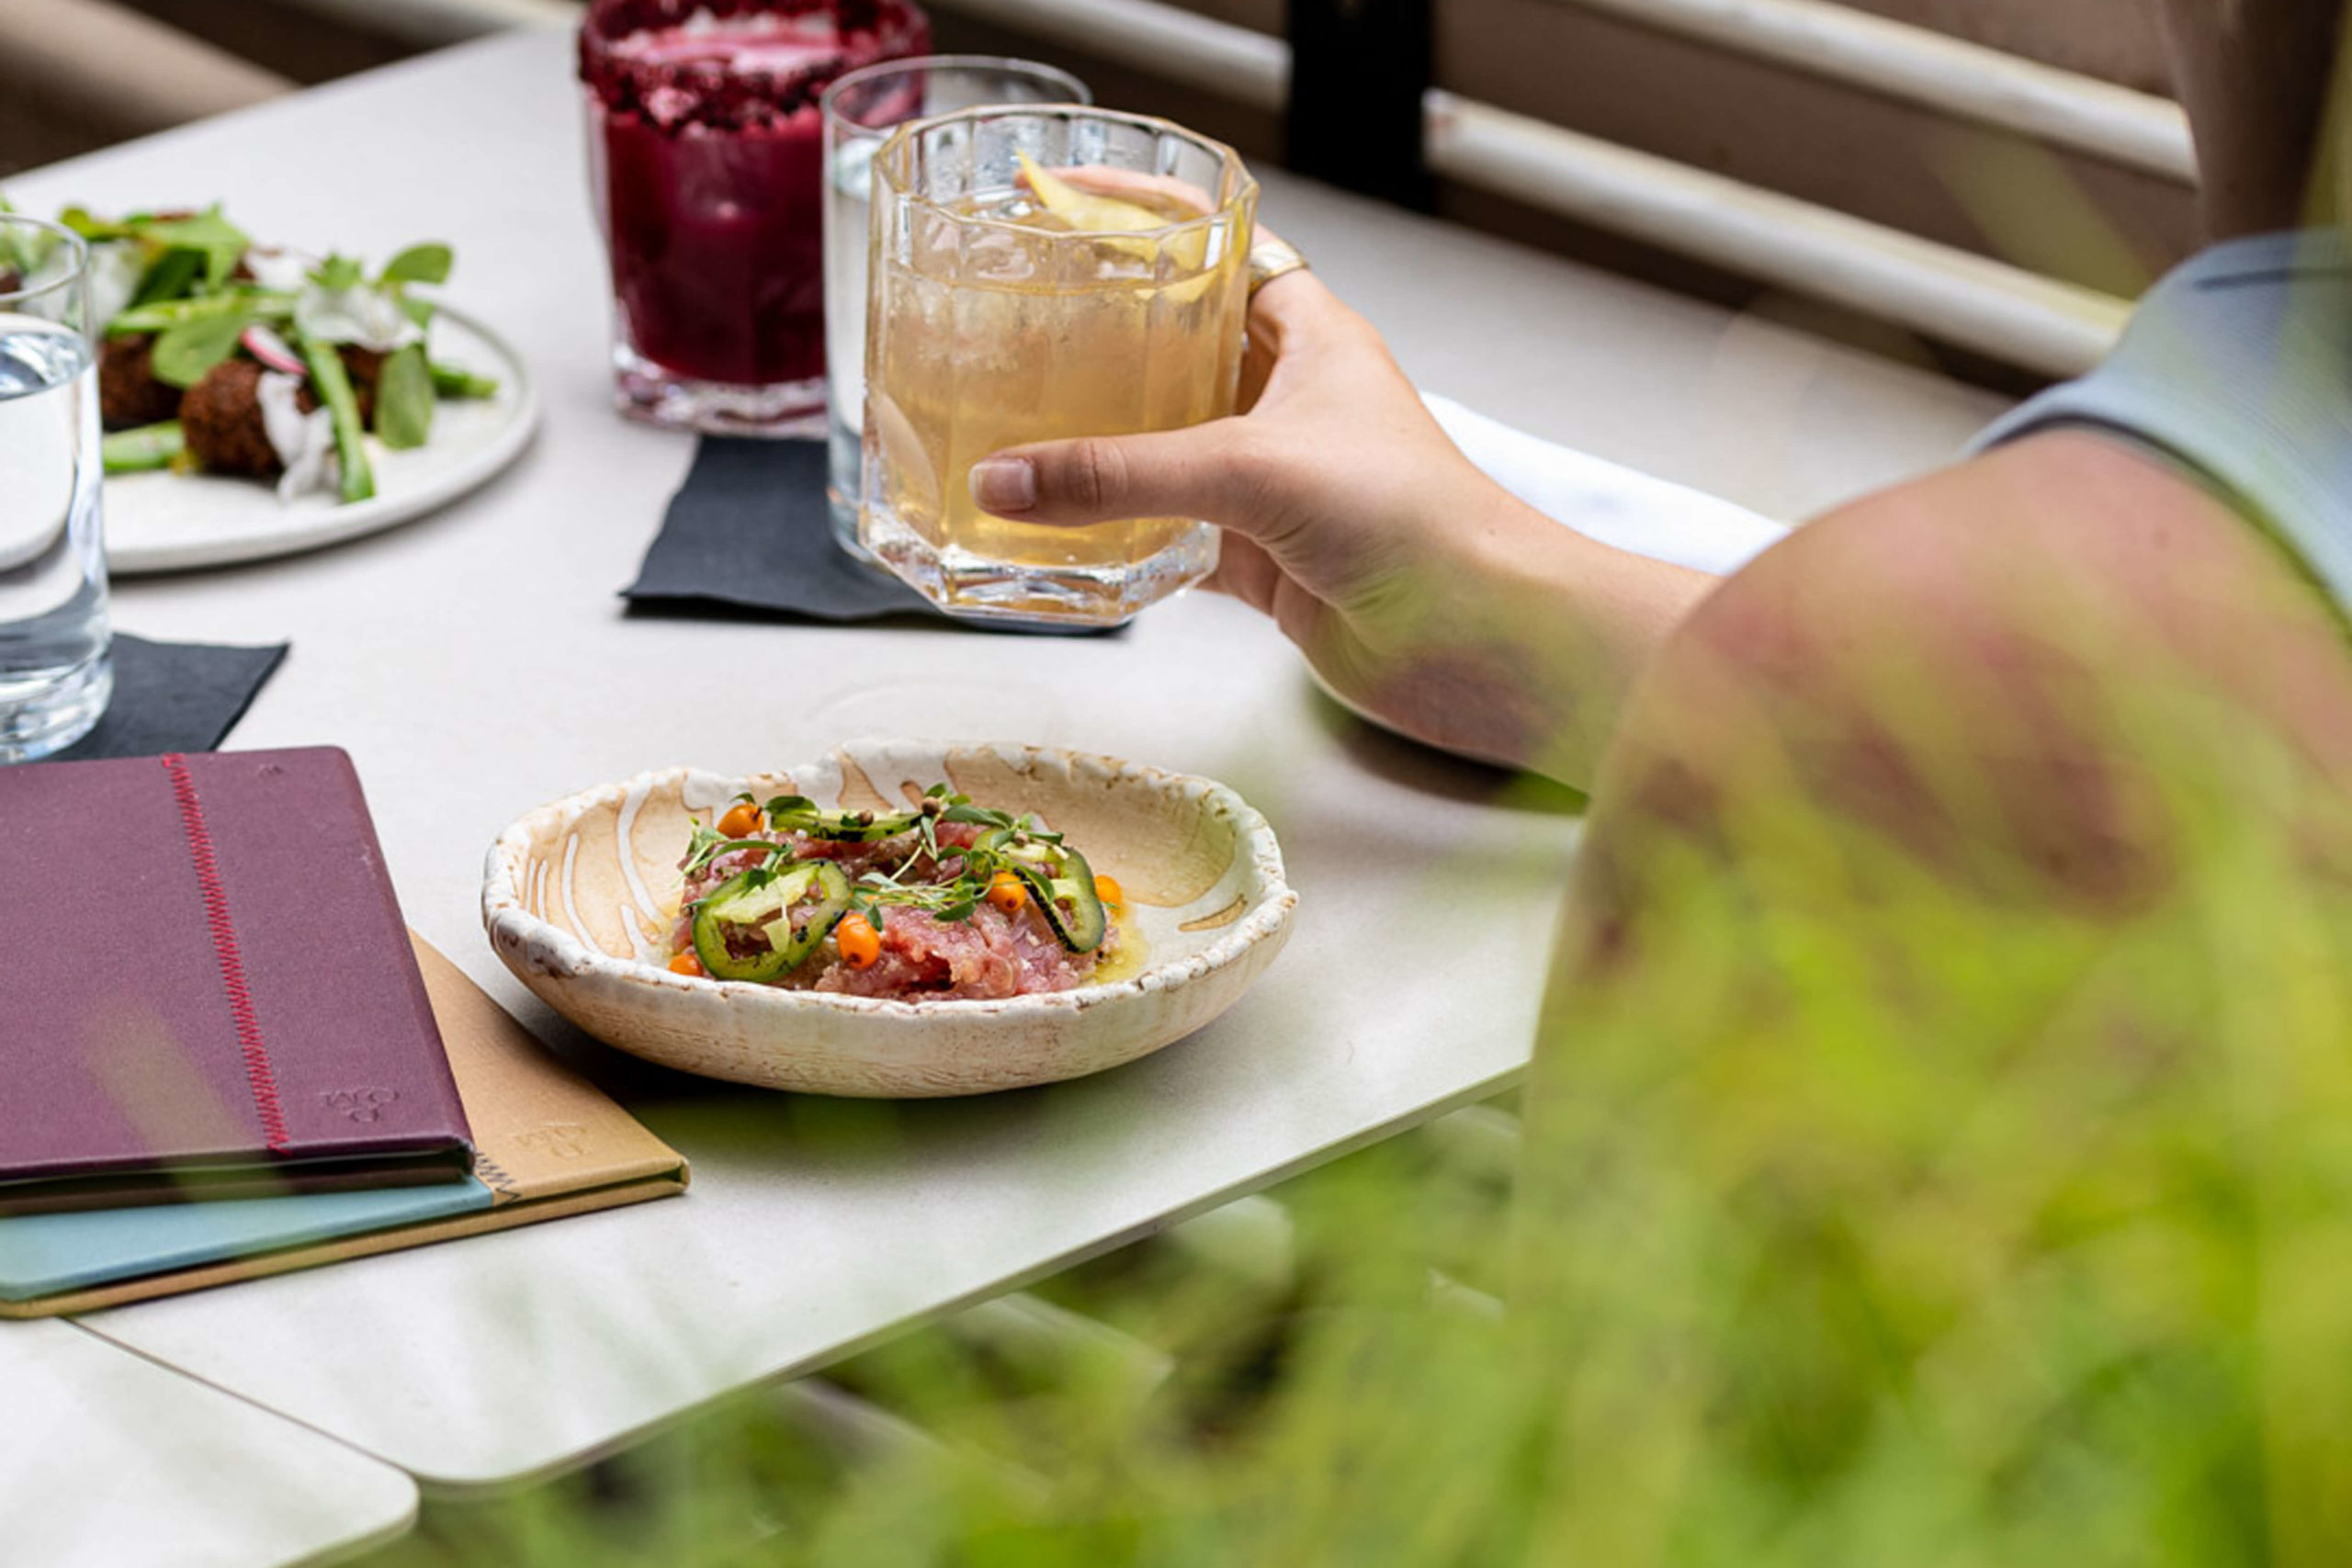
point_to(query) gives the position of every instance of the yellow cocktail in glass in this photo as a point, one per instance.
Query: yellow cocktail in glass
(1041, 273)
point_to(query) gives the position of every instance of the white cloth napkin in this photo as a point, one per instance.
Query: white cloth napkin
(1606, 500)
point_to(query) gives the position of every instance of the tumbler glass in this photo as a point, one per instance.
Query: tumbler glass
(56, 665)
(704, 156)
(1041, 273)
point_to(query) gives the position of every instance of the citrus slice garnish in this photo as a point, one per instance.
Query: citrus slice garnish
(1122, 225)
(1087, 212)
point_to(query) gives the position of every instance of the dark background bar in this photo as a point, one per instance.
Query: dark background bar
(1358, 69)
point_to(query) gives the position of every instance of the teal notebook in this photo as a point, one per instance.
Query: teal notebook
(41, 1255)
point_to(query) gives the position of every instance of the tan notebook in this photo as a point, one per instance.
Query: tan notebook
(548, 1145)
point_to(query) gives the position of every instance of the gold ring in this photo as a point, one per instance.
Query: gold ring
(1270, 259)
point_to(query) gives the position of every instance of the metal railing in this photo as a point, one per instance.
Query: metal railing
(1919, 66)
(431, 23)
(93, 52)
(1939, 291)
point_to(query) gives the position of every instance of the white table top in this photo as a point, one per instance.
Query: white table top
(477, 663)
(107, 1459)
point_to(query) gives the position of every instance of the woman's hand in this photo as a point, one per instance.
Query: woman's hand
(1419, 588)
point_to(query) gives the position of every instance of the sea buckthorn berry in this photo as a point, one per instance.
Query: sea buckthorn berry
(740, 823)
(1107, 888)
(1006, 892)
(685, 963)
(858, 940)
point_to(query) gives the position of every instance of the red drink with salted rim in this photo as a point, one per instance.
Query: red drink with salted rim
(705, 154)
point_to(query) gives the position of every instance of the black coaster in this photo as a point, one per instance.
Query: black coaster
(174, 696)
(749, 534)
(750, 530)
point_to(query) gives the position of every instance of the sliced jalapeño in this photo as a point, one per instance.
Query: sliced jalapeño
(761, 927)
(1060, 881)
(797, 814)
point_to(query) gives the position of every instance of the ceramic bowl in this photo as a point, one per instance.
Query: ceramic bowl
(579, 898)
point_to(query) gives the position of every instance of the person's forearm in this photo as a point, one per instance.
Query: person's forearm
(1591, 619)
(2254, 76)
(1522, 651)
(1426, 596)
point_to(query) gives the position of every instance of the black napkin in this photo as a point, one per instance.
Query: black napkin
(174, 696)
(749, 529)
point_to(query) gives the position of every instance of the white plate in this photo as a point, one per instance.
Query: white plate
(167, 521)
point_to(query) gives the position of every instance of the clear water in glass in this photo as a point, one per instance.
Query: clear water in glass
(55, 671)
(860, 112)
(849, 200)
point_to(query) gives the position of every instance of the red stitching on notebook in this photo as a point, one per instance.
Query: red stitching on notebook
(258, 1075)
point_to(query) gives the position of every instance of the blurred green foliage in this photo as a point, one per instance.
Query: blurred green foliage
(1872, 1213)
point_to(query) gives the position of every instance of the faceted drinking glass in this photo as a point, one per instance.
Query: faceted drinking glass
(703, 142)
(1042, 273)
(56, 666)
(860, 112)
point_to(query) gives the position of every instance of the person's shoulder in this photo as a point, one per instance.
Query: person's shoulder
(2073, 534)
(2237, 370)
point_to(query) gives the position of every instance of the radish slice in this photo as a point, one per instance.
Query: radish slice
(273, 351)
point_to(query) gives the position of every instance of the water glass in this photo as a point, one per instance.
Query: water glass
(703, 164)
(860, 111)
(1041, 273)
(56, 668)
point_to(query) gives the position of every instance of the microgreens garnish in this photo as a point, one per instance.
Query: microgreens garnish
(419, 264)
(337, 273)
(876, 891)
(182, 355)
(209, 233)
(707, 844)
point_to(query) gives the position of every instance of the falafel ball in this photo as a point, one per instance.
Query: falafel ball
(222, 418)
(129, 393)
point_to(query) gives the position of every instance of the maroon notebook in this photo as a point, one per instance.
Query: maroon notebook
(207, 989)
